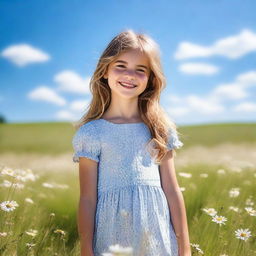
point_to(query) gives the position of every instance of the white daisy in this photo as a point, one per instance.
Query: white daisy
(8, 206)
(233, 208)
(59, 231)
(29, 200)
(251, 211)
(8, 171)
(31, 232)
(234, 192)
(185, 174)
(204, 175)
(249, 201)
(221, 171)
(3, 234)
(210, 211)
(196, 246)
(243, 234)
(219, 219)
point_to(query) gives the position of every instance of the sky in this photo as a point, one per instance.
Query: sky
(49, 50)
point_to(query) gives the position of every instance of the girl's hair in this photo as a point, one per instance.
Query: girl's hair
(150, 110)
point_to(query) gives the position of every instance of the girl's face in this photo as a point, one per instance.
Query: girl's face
(128, 74)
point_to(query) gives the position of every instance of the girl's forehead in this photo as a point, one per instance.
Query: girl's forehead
(133, 55)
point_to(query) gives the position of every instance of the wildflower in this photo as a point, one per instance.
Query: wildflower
(234, 192)
(18, 185)
(30, 245)
(6, 183)
(219, 219)
(210, 211)
(221, 171)
(29, 200)
(185, 174)
(3, 234)
(243, 234)
(8, 206)
(182, 189)
(52, 214)
(235, 209)
(249, 201)
(7, 171)
(54, 185)
(196, 246)
(31, 232)
(204, 175)
(251, 211)
(47, 185)
(59, 231)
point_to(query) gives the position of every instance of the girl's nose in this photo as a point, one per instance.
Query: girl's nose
(129, 72)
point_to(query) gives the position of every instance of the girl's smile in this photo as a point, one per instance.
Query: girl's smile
(130, 72)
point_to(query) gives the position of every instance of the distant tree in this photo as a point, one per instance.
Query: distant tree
(2, 119)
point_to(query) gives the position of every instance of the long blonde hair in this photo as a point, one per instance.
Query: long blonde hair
(150, 110)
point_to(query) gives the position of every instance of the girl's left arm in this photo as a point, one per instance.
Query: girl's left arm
(176, 203)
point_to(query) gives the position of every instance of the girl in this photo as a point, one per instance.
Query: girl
(125, 145)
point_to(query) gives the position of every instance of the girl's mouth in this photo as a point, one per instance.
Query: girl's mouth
(126, 85)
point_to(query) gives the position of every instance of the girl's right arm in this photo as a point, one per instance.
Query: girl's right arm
(87, 204)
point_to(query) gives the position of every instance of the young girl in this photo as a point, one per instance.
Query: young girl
(125, 145)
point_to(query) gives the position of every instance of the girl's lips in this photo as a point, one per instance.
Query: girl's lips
(127, 84)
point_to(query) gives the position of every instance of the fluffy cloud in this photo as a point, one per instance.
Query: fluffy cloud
(44, 93)
(24, 54)
(215, 101)
(195, 68)
(78, 105)
(70, 81)
(65, 115)
(245, 107)
(231, 47)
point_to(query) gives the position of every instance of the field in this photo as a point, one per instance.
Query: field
(216, 168)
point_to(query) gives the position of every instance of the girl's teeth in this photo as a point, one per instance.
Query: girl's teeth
(127, 85)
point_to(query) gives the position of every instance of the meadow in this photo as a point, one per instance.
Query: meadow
(39, 189)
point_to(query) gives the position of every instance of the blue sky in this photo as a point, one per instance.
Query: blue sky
(49, 49)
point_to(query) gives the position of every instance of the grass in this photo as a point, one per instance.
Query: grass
(55, 207)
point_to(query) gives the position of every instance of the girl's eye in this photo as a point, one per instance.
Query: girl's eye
(141, 70)
(120, 66)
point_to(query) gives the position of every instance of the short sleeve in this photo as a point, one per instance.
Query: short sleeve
(86, 143)
(173, 140)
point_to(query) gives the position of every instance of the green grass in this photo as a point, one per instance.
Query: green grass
(55, 138)
(210, 192)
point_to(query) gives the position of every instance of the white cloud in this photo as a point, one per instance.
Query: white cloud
(245, 107)
(79, 105)
(231, 47)
(229, 91)
(203, 105)
(247, 79)
(43, 93)
(65, 115)
(70, 81)
(178, 111)
(24, 54)
(195, 68)
(214, 102)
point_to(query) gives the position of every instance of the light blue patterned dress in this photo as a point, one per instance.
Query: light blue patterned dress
(132, 209)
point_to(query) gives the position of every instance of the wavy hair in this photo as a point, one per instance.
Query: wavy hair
(150, 110)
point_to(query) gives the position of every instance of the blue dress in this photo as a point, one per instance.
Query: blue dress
(132, 209)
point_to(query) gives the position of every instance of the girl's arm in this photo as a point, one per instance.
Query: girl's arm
(87, 204)
(176, 203)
